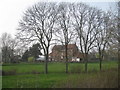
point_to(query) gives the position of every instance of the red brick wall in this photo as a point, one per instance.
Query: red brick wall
(73, 51)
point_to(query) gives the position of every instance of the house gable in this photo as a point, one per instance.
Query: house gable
(58, 52)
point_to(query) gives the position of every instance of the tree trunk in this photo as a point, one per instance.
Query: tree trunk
(5, 57)
(85, 66)
(46, 63)
(66, 58)
(100, 63)
(86, 61)
(100, 59)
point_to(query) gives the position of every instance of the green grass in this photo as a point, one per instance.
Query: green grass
(108, 79)
(32, 81)
(57, 76)
(56, 80)
(25, 68)
(0, 76)
(55, 67)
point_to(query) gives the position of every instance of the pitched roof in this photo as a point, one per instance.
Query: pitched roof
(71, 45)
(61, 47)
(57, 47)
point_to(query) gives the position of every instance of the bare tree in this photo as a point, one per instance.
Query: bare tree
(8, 46)
(105, 35)
(5, 40)
(84, 18)
(38, 25)
(64, 32)
(117, 25)
(119, 30)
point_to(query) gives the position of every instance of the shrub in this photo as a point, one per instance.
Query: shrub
(31, 59)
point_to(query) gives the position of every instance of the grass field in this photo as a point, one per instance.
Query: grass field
(0, 76)
(32, 75)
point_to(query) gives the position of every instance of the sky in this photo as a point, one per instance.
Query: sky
(11, 11)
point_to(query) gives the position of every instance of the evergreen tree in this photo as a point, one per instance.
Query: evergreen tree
(33, 51)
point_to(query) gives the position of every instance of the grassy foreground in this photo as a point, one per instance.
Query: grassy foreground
(32, 76)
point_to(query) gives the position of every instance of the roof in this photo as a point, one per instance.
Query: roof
(57, 47)
(61, 47)
(71, 45)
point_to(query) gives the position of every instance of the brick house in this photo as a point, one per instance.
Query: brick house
(58, 53)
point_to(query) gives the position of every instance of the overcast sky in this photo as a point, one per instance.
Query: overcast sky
(11, 11)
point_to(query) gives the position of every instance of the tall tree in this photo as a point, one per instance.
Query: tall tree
(4, 45)
(104, 35)
(25, 56)
(38, 24)
(119, 30)
(84, 18)
(35, 50)
(8, 45)
(64, 31)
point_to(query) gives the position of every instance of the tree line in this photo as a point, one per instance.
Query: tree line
(50, 23)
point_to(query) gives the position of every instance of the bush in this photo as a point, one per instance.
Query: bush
(31, 59)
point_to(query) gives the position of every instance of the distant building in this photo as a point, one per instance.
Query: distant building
(58, 53)
(41, 58)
